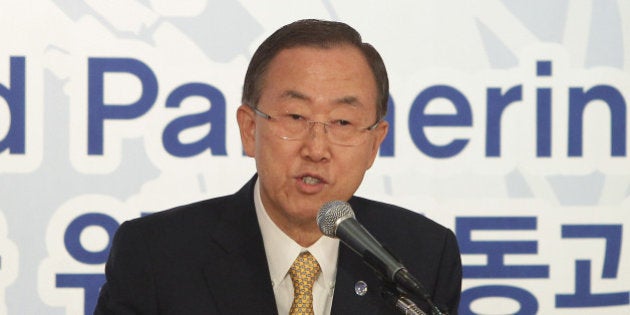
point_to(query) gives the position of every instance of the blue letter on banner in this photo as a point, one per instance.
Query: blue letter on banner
(98, 111)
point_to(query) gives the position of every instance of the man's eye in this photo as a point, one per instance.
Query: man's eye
(341, 123)
(295, 116)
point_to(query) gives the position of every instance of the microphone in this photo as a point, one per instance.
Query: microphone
(336, 219)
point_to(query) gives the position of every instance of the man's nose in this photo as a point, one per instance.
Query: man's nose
(312, 127)
(316, 144)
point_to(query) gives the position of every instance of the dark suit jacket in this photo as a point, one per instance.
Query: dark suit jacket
(208, 258)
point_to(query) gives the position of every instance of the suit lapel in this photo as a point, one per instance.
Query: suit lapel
(239, 276)
(350, 270)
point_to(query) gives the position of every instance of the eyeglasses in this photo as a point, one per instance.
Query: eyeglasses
(295, 127)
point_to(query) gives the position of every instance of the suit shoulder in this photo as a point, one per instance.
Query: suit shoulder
(200, 212)
(388, 215)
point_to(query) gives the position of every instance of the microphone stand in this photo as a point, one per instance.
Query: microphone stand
(394, 295)
(402, 279)
(402, 303)
(412, 285)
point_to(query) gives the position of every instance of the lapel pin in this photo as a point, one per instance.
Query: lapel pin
(360, 288)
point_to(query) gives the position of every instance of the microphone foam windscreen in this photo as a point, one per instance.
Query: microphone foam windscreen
(329, 213)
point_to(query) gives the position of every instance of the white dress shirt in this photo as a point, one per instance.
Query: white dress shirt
(281, 251)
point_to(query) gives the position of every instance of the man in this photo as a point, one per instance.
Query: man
(314, 100)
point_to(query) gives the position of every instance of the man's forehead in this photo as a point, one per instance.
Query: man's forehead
(293, 59)
(341, 100)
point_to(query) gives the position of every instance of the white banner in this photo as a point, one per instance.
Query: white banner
(509, 125)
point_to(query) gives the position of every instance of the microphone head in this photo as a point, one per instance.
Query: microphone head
(331, 214)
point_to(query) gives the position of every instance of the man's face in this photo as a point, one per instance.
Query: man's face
(298, 176)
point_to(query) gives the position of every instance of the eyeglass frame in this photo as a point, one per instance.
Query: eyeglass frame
(311, 123)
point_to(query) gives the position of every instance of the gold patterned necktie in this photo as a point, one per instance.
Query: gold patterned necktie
(303, 272)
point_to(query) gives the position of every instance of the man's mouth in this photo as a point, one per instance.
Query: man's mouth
(310, 180)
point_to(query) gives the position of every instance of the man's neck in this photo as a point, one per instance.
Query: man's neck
(305, 236)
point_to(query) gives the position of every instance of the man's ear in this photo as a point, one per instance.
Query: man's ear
(247, 127)
(379, 133)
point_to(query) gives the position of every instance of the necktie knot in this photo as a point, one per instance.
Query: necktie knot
(303, 272)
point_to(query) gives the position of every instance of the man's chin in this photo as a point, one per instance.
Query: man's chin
(305, 217)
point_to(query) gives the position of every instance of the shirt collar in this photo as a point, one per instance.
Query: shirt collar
(281, 250)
